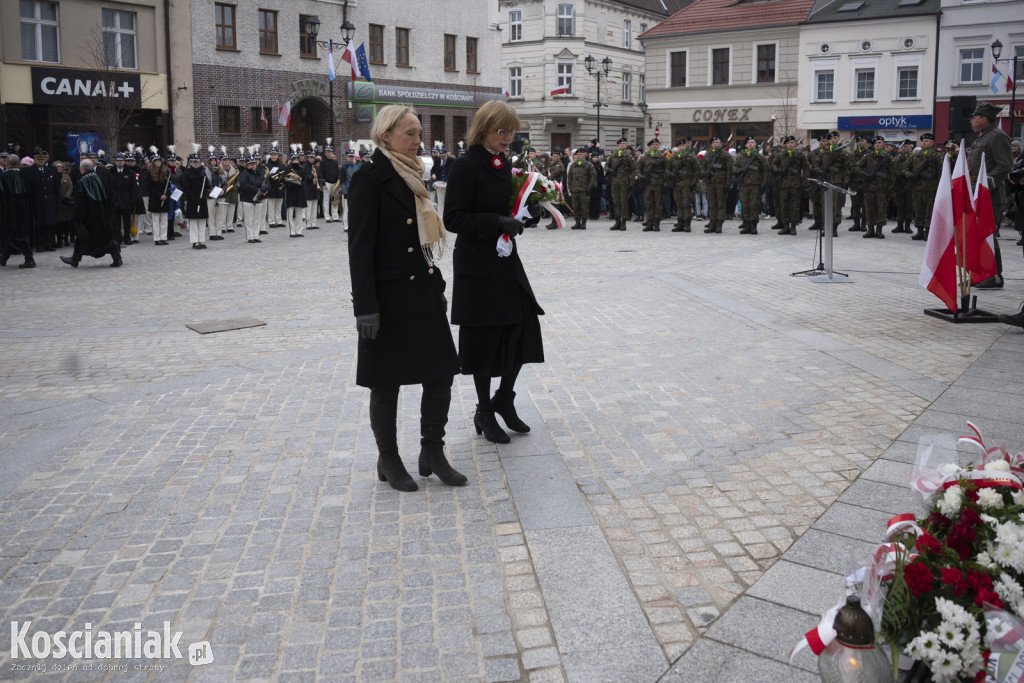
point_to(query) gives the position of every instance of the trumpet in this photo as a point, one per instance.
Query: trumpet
(293, 178)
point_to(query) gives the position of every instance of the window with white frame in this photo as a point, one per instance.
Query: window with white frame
(627, 86)
(906, 82)
(119, 42)
(824, 81)
(564, 20)
(627, 33)
(642, 87)
(515, 25)
(971, 60)
(39, 24)
(515, 81)
(864, 84)
(564, 76)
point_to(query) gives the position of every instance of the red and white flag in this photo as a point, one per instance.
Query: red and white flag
(285, 114)
(506, 93)
(349, 55)
(263, 118)
(560, 90)
(963, 198)
(938, 272)
(981, 242)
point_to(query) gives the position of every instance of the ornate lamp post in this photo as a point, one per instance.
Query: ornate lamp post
(347, 31)
(606, 65)
(997, 50)
(643, 110)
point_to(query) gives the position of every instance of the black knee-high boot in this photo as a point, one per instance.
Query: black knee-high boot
(383, 416)
(434, 405)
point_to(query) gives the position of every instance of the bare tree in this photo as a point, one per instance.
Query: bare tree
(111, 110)
(784, 112)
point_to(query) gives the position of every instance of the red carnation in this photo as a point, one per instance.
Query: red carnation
(979, 581)
(971, 494)
(938, 520)
(927, 542)
(991, 597)
(918, 578)
(954, 578)
(970, 516)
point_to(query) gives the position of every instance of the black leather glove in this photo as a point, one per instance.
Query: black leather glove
(509, 225)
(368, 325)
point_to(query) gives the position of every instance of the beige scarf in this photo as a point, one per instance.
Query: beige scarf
(433, 238)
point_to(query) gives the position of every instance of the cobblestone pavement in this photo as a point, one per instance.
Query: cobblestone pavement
(699, 410)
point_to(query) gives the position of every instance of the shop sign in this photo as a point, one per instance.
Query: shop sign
(727, 114)
(82, 88)
(361, 91)
(885, 122)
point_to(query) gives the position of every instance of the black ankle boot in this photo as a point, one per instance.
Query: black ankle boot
(505, 406)
(432, 461)
(485, 424)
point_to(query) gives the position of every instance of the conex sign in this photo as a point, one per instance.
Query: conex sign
(73, 87)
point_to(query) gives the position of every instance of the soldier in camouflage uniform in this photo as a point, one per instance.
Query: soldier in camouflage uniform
(791, 171)
(834, 169)
(903, 188)
(582, 177)
(652, 169)
(684, 168)
(556, 172)
(817, 160)
(750, 169)
(924, 170)
(717, 176)
(857, 201)
(621, 170)
(876, 174)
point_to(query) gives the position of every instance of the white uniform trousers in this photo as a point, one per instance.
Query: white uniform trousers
(159, 221)
(147, 222)
(273, 210)
(250, 218)
(197, 230)
(296, 222)
(330, 207)
(310, 213)
(261, 218)
(221, 214)
(211, 211)
(344, 211)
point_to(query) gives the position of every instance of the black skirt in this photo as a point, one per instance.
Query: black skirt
(494, 350)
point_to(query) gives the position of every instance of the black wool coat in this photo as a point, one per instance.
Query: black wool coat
(391, 277)
(195, 187)
(487, 289)
(122, 189)
(43, 185)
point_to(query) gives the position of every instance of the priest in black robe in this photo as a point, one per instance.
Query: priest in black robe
(96, 232)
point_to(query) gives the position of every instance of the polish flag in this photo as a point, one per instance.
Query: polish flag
(981, 250)
(560, 90)
(349, 55)
(938, 272)
(506, 93)
(963, 199)
(285, 114)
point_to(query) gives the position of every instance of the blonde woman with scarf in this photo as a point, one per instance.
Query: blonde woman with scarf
(395, 238)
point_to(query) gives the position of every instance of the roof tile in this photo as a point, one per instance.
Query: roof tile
(705, 16)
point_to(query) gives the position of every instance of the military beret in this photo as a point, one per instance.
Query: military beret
(989, 111)
(715, 139)
(621, 140)
(750, 139)
(927, 136)
(879, 139)
(653, 141)
(789, 138)
(907, 142)
(688, 138)
(833, 133)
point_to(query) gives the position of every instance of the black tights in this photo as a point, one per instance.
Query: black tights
(506, 387)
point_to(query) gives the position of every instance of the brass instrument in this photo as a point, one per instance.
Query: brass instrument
(293, 178)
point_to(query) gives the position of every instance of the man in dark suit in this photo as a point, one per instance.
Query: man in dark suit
(42, 183)
(122, 192)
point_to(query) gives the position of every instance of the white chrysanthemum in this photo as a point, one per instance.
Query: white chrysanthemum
(983, 558)
(945, 667)
(1018, 497)
(952, 612)
(950, 635)
(990, 499)
(951, 501)
(925, 646)
(998, 466)
(948, 469)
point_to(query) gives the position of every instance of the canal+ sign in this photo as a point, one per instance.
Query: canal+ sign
(82, 88)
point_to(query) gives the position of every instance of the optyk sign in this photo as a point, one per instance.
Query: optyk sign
(885, 122)
(74, 87)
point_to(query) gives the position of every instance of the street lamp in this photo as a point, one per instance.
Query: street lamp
(643, 110)
(347, 30)
(606, 65)
(997, 50)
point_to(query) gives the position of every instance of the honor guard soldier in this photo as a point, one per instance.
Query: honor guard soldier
(277, 167)
(621, 170)
(684, 168)
(791, 173)
(652, 170)
(556, 172)
(834, 169)
(924, 171)
(857, 201)
(903, 188)
(717, 176)
(994, 144)
(582, 177)
(816, 159)
(749, 172)
(876, 173)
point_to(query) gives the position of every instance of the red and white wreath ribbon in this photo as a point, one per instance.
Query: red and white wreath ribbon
(819, 637)
(520, 208)
(1016, 461)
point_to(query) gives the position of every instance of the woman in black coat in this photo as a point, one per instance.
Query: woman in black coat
(394, 237)
(492, 301)
(195, 187)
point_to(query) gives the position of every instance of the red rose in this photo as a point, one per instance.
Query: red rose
(979, 581)
(938, 520)
(926, 542)
(971, 494)
(918, 578)
(970, 516)
(955, 580)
